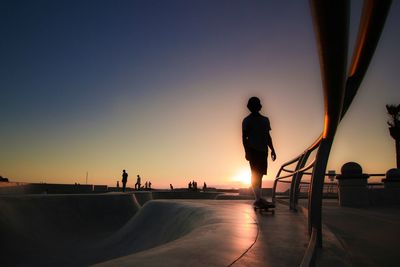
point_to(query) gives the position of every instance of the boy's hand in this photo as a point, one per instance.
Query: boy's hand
(273, 155)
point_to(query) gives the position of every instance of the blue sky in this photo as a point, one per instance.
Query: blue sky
(159, 88)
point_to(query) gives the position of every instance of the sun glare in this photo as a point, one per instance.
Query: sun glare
(244, 177)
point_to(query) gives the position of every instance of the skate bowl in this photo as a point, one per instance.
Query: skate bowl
(114, 230)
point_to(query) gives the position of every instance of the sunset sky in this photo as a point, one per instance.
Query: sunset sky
(159, 88)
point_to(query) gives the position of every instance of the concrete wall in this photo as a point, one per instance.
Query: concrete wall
(34, 188)
(183, 195)
(65, 214)
(384, 196)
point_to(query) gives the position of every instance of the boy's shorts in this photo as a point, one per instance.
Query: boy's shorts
(258, 161)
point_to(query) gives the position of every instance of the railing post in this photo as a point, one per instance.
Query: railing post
(292, 192)
(316, 189)
(273, 198)
(331, 22)
(294, 189)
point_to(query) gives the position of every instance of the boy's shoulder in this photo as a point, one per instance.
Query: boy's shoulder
(257, 116)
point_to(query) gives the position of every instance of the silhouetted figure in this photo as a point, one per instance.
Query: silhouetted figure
(171, 187)
(145, 185)
(190, 186)
(124, 180)
(204, 186)
(256, 139)
(117, 184)
(394, 128)
(138, 183)
(149, 185)
(194, 186)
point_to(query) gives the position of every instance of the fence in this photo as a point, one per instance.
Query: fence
(331, 24)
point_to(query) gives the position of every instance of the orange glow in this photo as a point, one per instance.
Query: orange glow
(243, 176)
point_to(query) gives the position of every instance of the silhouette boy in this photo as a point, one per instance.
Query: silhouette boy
(256, 140)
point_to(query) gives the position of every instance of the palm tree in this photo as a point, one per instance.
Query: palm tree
(394, 128)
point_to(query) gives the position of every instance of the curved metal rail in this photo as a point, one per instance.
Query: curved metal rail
(331, 23)
(296, 174)
(331, 20)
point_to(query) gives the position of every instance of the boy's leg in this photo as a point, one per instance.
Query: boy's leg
(256, 180)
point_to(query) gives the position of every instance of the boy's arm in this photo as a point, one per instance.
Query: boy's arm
(245, 142)
(271, 146)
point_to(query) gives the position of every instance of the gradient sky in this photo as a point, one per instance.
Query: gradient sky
(159, 88)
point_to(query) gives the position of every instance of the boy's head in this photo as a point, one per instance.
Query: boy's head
(254, 104)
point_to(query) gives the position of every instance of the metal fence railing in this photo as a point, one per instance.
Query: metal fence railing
(331, 24)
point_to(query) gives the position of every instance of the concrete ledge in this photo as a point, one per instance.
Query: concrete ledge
(34, 188)
(100, 188)
(184, 195)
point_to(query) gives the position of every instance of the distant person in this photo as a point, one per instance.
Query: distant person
(194, 186)
(256, 140)
(190, 186)
(118, 184)
(149, 185)
(138, 183)
(146, 185)
(204, 186)
(124, 180)
(171, 187)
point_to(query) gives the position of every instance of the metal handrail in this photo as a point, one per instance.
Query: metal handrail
(310, 149)
(377, 174)
(289, 171)
(295, 174)
(302, 170)
(331, 22)
(295, 186)
(281, 180)
(285, 182)
(292, 160)
(309, 255)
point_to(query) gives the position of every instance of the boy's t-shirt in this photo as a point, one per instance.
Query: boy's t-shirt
(256, 128)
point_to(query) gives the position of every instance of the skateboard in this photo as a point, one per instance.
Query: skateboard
(266, 208)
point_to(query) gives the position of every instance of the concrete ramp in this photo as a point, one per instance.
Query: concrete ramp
(112, 230)
(41, 229)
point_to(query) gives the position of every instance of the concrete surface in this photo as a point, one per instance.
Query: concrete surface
(282, 240)
(370, 235)
(114, 230)
(367, 236)
(227, 233)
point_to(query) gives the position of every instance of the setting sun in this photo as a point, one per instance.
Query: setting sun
(243, 176)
